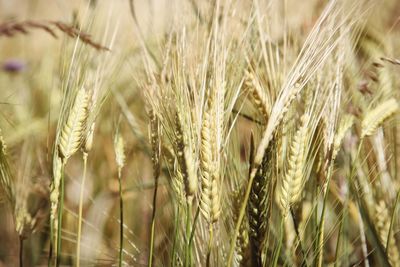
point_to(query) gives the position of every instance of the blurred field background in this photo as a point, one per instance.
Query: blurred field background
(139, 37)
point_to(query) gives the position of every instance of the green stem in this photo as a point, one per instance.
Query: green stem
(296, 229)
(209, 246)
(121, 219)
(321, 226)
(188, 251)
(194, 226)
(175, 235)
(322, 221)
(60, 215)
(240, 218)
(21, 251)
(278, 250)
(392, 221)
(153, 221)
(338, 243)
(51, 244)
(78, 243)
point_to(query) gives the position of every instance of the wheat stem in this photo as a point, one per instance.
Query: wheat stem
(392, 219)
(153, 223)
(188, 250)
(210, 240)
(78, 242)
(21, 251)
(156, 151)
(239, 221)
(280, 241)
(60, 215)
(121, 219)
(173, 254)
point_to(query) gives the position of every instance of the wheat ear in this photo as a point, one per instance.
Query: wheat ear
(119, 149)
(5, 173)
(72, 133)
(382, 219)
(259, 96)
(345, 124)
(88, 141)
(185, 161)
(209, 201)
(290, 190)
(376, 116)
(259, 206)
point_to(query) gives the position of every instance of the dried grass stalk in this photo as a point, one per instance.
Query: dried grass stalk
(11, 28)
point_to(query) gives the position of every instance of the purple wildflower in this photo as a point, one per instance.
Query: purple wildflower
(13, 65)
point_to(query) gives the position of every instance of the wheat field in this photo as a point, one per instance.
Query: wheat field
(200, 133)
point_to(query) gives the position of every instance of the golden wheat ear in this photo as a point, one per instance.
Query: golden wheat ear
(382, 220)
(344, 126)
(375, 117)
(258, 95)
(72, 133)
(209, 201)
(6, 181)
(291, 187)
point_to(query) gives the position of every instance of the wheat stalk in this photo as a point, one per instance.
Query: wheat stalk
(119, 149)
(154, 131)
(70, 140)
(242, 242)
